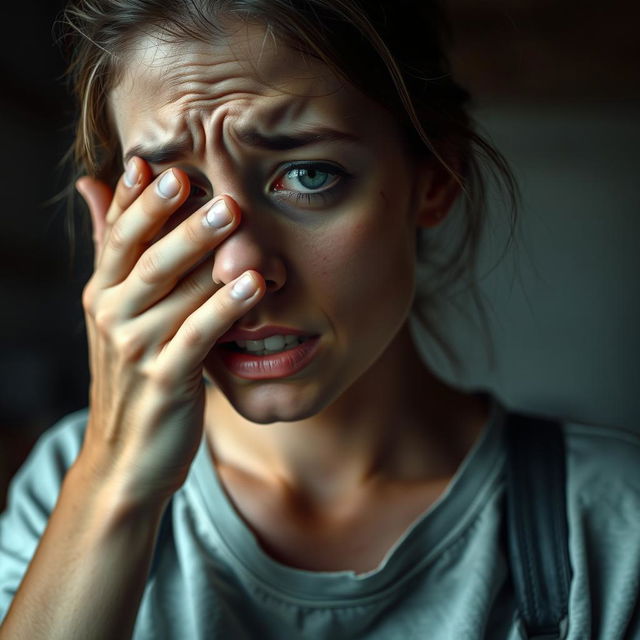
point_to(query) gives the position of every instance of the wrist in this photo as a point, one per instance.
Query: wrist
(112, 491)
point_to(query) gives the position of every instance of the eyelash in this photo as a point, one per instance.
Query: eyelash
(310, 198)
(299, 198)
(197, 192)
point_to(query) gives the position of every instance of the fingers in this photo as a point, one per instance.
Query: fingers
(152, 292)
(164, 263)
(104, 206)
(161, 321)
(199, 332)
(138, 224)
(135, 178)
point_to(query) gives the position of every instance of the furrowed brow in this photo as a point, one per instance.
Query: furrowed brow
(161, 154)
(275, 142)
(172, 151)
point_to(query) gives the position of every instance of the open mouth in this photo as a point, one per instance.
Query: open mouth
(277, 356)
(267, 346)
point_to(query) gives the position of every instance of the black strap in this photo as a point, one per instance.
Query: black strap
(536, 519)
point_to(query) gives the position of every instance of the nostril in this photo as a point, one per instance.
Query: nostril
(271, 285)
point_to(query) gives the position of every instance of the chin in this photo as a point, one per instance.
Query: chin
(271, 416)
(267, 403)
(272, 411)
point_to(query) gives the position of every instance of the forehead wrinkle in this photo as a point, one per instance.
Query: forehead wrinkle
(204, 72)
(288, 111)
(207, 86)
(198, 134)
(203, 101)
(181, 89)
(168, 70)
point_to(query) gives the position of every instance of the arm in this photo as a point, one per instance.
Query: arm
(153, 313)
(88, 574)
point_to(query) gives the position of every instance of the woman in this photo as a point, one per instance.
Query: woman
(265, 455)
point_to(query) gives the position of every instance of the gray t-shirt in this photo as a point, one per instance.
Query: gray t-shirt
(446, 578)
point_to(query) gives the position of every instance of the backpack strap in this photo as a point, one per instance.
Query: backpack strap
(536, 520)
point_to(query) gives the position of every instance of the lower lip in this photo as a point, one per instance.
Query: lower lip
(269, 367)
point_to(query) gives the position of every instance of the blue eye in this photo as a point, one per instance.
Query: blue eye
(309, 182)
(312, 178)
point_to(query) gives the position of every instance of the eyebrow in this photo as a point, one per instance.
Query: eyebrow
(160, 154)
(253, 138)
(172, 151)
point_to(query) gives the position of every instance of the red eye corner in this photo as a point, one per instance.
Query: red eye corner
(277, 185)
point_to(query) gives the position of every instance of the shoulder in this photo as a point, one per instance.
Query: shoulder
(603, 509)
(38, 480)
(603, 464)
(32, 496)
(64, 437)
(603, 485)
(53, 453)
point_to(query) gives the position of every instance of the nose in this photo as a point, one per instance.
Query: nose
(250, 248)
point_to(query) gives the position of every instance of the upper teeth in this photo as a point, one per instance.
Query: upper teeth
(272, 343)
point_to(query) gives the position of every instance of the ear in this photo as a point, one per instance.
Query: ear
(97, 196)
(436, 191)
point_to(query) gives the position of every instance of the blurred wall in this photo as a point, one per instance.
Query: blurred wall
(556, 87)
(42, 348)
(558, 92)
(564, 303)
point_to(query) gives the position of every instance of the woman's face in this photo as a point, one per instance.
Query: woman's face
(330, 203)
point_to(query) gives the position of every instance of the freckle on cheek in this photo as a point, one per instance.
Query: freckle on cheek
(334, 250)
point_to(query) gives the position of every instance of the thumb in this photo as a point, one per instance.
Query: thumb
(97, 196)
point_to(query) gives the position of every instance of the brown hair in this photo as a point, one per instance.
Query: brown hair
(392, 50)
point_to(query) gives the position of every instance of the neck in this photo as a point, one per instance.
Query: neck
(416, 429)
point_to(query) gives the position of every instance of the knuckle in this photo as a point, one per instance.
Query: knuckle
(129, 344)
(117, 236)
(89, 297)
(105, 321)
(161, 377)
(148, 267)
(192, 334)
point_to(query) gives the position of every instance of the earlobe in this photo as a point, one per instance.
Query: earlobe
(437, 191)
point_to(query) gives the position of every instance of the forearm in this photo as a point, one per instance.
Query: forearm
(87, 576)
(153, 315)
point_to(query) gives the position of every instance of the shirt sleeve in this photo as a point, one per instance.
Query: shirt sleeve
(31, 498)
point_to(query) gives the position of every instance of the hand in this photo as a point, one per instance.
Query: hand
(153, 313)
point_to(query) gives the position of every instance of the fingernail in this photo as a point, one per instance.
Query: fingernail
(131, 174)
(168, 186)
(218, 215)
(244, 288)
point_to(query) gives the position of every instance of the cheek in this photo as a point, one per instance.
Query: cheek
(361, 262)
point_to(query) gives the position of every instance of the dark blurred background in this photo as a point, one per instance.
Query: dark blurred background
(557, 88)
(43, 373)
